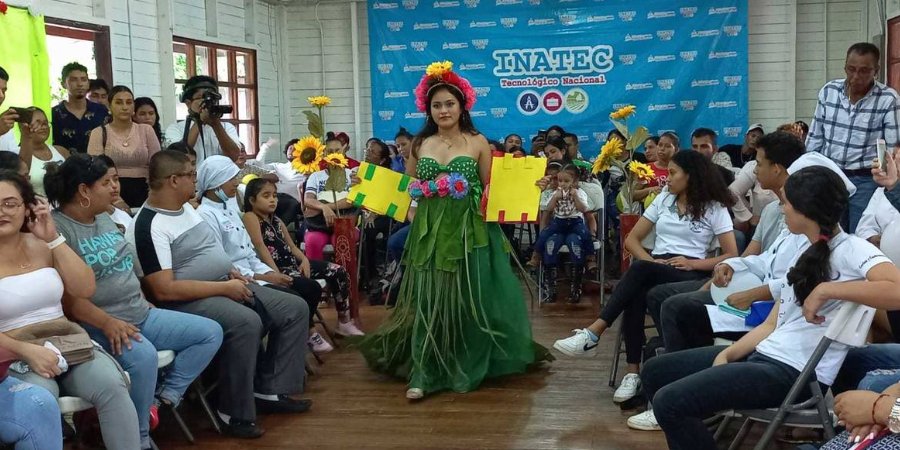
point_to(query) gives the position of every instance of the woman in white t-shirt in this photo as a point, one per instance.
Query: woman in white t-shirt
(757, 371)
(42, 153)
(688, 217)
(878, 214)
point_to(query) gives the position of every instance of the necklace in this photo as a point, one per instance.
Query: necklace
(27, 262)
(449, 141)
(127, 140)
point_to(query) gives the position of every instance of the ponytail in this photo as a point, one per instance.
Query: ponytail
(813, 267)
(820, 195)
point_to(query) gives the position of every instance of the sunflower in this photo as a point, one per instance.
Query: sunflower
(336, 160)
(319, 101)
(642, 171)
(307, 155)
(610, 151)
(622, 113)
(438, 69)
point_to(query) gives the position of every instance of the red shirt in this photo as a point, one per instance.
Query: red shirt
(660, 178)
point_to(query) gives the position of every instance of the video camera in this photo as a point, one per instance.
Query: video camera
(211, 100)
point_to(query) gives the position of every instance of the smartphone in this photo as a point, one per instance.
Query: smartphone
(24, 114)
(881, 146)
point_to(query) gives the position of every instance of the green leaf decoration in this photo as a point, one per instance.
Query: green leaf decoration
(637, 139)
(315, 124)
(337, 179)
(621, 127)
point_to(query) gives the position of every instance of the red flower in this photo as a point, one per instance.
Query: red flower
(3, 7)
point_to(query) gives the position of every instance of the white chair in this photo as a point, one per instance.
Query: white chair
(850, 326)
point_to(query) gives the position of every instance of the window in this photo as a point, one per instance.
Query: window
(87, 44)
(235, 70)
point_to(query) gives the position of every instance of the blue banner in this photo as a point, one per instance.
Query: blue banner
(537, 63)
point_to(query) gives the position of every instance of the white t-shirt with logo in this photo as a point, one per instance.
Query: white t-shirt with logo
(794, 339)
(681, 235)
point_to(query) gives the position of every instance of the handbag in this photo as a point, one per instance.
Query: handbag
(73, 342)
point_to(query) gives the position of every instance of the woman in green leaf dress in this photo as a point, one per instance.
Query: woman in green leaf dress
(460, 316)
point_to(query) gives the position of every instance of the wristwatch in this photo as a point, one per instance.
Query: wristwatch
(894, 418)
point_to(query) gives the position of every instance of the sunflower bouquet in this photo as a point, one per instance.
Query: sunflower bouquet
(611, 156)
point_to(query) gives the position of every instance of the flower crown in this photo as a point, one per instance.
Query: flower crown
(441, 74)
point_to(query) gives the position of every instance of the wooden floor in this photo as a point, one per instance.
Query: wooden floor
(565, 405)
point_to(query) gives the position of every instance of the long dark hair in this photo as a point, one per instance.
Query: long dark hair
(821, 196)
(430, 129)
(147, 101)
(254, 187)
(705, 183)
(385, 153)
(25, 190)
(62, 179)
(403, 133)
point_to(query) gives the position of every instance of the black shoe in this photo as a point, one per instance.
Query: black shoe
(242, 429)
(284, 404)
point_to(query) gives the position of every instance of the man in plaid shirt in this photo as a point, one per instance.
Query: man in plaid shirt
(851, 115)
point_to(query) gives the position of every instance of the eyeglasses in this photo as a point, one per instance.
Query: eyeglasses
(10, 206)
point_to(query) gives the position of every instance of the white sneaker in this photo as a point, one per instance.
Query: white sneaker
(645, 421)
(349, 329)
(628, 389)
(579, 344)
(318, 344)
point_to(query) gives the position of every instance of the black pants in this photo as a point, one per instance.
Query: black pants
(679, 312)
(630, 298)
(685, 389)
(134, 191)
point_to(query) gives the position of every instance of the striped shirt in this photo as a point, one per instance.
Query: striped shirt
(847, 133)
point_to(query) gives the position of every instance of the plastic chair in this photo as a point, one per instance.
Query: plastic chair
(850, 326)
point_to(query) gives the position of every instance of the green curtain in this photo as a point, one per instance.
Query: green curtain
(23, 53)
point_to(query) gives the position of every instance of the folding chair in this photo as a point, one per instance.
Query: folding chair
(850, 326)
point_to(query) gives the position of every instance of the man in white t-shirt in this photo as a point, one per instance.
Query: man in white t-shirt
(7, 119)
(217, 137)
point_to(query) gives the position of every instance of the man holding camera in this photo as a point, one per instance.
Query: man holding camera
(201, 96)
(8, 120)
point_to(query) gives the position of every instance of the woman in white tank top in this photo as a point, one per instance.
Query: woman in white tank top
(36, 273)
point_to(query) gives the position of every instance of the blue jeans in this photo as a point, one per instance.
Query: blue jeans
(572, 233)
(865, 188)
(195, 341)
(869, 368)
(685, 389)
(29, 417)
(397, 242)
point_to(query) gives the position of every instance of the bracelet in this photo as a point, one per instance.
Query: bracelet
(56, 242)
(874, 405)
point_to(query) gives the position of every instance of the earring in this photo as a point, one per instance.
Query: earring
(82, 201)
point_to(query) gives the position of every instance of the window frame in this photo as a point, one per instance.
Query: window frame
(232, 86)
(98, 34)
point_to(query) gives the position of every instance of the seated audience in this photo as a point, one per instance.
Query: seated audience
(118, 316)
(867, 416)
(277, 249)
(877, 215)
(130, 145)
(186, 269)
(320, 212)
(703, 140)
(98, 92)
(38, 273)
(745, 153)
(11, 161)
(758, 371)
(688, 217)
(403, 139)
(679, 309)
(659, 152)
(217, 187)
